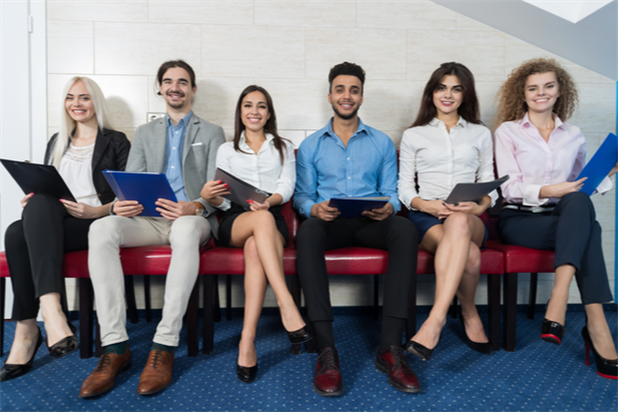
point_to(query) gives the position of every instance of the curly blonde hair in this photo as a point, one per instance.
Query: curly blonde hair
(511, 100)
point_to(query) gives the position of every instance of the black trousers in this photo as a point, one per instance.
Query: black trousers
(395, 234)
(35, 246)
(572, 231)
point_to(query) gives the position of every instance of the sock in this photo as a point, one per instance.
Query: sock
(117, 348)
(392, 328)
(164, 348)
(323, 334)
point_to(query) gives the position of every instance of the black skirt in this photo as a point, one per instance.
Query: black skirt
(228, 217)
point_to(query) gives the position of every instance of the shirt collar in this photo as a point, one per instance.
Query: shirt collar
(182, 123)
(242, 141)
(460, 123)
(329, 128)
(525, 121)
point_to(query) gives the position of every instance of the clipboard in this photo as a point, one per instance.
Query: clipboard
(473, 192)
(38, 178)
(144, 187)
(600, 164)
(240, 191)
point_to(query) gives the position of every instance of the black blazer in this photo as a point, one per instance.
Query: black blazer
(111, 150)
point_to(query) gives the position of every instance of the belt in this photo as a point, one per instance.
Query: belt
(533, 209)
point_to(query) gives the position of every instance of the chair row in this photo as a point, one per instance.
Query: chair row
(497, 261)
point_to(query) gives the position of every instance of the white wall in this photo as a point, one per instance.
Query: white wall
(288, 47)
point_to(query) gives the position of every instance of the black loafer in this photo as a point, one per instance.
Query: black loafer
(246, 374)
(302, 335)
(64, 346)
(10, 371)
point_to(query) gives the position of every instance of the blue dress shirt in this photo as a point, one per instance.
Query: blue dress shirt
(173, 155)
(325, 168)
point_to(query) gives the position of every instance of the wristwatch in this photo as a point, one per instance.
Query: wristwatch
(200, 209)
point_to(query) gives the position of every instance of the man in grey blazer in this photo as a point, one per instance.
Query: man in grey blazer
(184, 147)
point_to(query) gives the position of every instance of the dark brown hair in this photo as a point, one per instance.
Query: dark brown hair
(346, 69)
(269, 127)
(175, 63)
(469, 108)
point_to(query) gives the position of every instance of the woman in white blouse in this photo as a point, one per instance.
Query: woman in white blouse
(447, 144)
(35, 245)
(545, 210)
(259, 156)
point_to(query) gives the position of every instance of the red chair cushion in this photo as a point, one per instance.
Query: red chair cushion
(519, 259)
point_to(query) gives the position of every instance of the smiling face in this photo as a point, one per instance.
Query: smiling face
(346, 96)
(541, 92)
(448, 96)
(254, 111)
(176, 89)
(78, 103)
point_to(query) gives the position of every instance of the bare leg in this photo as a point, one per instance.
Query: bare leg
(56, 325)
(557, 306)
(599, 331)
(255, 288)
(269, 243)
(450, 243)
(26, 335)
(466, 293)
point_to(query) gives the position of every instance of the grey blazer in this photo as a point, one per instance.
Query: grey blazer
(198, 160)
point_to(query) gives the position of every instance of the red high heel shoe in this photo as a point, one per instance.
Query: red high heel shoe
(607, 368)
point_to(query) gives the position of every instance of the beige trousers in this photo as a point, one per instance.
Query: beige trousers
(107, 235)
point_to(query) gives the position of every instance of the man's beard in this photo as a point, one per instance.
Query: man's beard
(345, 116)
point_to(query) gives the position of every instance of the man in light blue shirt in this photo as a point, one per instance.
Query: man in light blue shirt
(350, 159)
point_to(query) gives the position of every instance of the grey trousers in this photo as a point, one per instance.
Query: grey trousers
(107, 235)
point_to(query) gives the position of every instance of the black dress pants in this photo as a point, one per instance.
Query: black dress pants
(572, 231)
(395, 234)
(35, 247)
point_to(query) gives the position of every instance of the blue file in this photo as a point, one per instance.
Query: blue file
(600, 165)
(143, 187)
(354, 206)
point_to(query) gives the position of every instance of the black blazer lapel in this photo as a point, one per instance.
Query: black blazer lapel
(100, 145)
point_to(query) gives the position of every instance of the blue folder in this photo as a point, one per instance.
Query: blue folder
(600, 165)
(354, 206)
(144, 187)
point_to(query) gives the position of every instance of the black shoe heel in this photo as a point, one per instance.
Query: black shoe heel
(10, 371)
(64, 346)
(246, 374)
(421, 351)
(607, 368)
(484, 348)
(302, 335)
(552, 332)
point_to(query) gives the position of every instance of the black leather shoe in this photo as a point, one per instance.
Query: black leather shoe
(552, 332)
(246, 374)
(302, 335)
(607, 368)
(419, 350)
(64, 346)
(10, 371)
(484, 347)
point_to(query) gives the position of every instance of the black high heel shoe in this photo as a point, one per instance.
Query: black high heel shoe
(607, 368)
(64, 346)
(302, 335)
(552, 332)
(421, 351)
(484, 347)
(10, 371)
(246, 374)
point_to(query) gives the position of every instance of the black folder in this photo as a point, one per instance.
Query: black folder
(39, 179)
(473, 192)
(240, 191)
(354, 206)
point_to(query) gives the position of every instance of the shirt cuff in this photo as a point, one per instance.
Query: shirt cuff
(531, 196)
(605, 185)
(225, 205)
(305, 209)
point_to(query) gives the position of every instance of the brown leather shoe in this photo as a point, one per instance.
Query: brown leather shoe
(327, 380)
(400, 375)
(103, 377)
(157, 374)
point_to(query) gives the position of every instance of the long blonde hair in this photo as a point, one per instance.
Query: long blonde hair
(67, 125)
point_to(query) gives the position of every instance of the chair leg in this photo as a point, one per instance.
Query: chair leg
(510, 311)
(130, 296)
(411, 322)
(534, 278)
(376, 296)
(493, 309)
(2, 303)
(147, 301)
(208, 329)
(217, 303)
(452, 310)
(228, 297)
(86, 318)
(192, 315)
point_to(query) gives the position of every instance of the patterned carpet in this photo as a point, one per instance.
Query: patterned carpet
(537, 377)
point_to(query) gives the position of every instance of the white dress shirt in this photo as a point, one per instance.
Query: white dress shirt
(263, 170)
(531, 162)
(441, 159)
(76, 170)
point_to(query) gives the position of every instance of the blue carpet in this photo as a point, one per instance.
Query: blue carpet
(537, 377)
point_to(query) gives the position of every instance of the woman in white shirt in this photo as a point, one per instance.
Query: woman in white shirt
(35, 245)
(259, 156)
(447, 144)
(545, 210)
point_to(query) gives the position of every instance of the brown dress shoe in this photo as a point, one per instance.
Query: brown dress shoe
(103, 377)
(400, 375)
(157, 374)
(327, 380)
